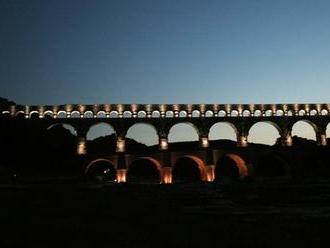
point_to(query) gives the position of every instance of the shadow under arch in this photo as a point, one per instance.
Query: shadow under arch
(100, 129)
(232, 131)
(265, 125)
(100, 170)
(144, 170)
(148, 135)
(177, 135)
(189, 168)
(296, 131)
(272, 165)
(230, 166)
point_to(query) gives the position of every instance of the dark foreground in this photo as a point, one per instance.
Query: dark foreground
(233, 214)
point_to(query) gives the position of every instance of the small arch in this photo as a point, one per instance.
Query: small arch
(114, 114)
(223, 130)
(183, 131)
(34, 115)
(222, 113)
(98, 130)
(234, 113)
(183, 114)
(264, 132)
(209, 113)
(269, 113)
(88, 114)
(142, 114)
(144, 170)
(189, 169)
(127, 114)
(313, 112)
(144, 133)
(257, 113)
(302, 112)
(75, 114)
(61, 114)
(101, 114)
(169, 114)
(304, 129)
(324, 112)
(230, 166)
(48, 114)
(246, 113)
(65, 126)
(289, 113)
(279, 112)
(196, 114)
(100, 170)
(155, 114)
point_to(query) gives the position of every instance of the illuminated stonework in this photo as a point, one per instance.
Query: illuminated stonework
(163, 144)
(210, 173)
(121, 175)
(166, 175)
(204, 142)
(81, 146)
(120, 145)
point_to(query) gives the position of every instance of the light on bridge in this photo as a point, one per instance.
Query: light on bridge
(121, 175)
(81, 148)
(163, 144)
(204, 142)
(120, 145)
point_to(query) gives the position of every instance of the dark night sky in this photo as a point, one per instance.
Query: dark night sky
(152, 51)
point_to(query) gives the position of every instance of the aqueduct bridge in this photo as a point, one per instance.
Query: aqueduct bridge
(162, 117)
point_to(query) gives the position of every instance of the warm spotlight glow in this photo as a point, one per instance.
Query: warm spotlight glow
(120, 144)
(121, 175)
(204, 142)
(242, 141)
(166, 175)
(288, 140)
(81, 148)
(210, 173)
(323, 140)
(163, 144)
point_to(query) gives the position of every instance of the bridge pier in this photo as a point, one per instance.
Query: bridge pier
(166, 175)
(120, 147)
(242, 141)
(163, 143)
(81, 146)
(321, 139)
(286, 137)
(204, 141)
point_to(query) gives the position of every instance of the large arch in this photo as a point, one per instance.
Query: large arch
(189, 168)
(272, 165)
(144, 133)
(328, 130)
(100, 170)
(183, 132)
(304, 129)
(223, 130)
(230, 166)
(98, 130)
(144, 170)
(264, 132)
(63, 125)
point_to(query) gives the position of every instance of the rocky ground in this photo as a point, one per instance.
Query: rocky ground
(227, 214)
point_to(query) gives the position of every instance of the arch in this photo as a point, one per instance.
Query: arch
(304, 129)
(272, 165)
(196, 114)
(142, 114)
(269, 112)
(230, 166)
(246, 113)
(302, 112)
(264, 132)
(257, 113)
(324, 112)
(289, 113)
(48, 114)
(209, 113)
(234, 113)
(183, 131)
(101, 114)
(114, 114)
(100, 129)
(144, 170)
(34, 114)
(223, 130)
(61, 114)
(169, 114)
(144, 133)
(64, 125)
(100, 170)
(189, 168)
(88, 114)
(222, 113)
(127, 114)
(75, 114)
(279, 112)
(155, 114)
(313, 112)
(183, 114)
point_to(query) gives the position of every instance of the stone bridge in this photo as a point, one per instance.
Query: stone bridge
(162, 117)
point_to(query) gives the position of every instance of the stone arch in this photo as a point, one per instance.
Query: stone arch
(75, 114)
(99, 129)
(61, 114)
(183, 114)
(279, 112)
(146, 133)
(183, 131)
(196, 113)
(304, 129)
(68, 127)
(264, 132)
(231, 165)
(155, 114)
(189, 168)
(101, 114)
(222, 113)
(127, 114)
(144, 170)
(228, 129)
(49, 114)
(313, 112)
(272, 165)
(269, 112)
(142, 114)
(34, 114)
(88, 114)
(328, 130)
(114, 114)
(324, 112)
(100, 170)
(246, 113)
(234, 113)
(169, 114)
(257, 113)
(209, 113)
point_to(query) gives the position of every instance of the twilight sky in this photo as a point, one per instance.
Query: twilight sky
(169, 51)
